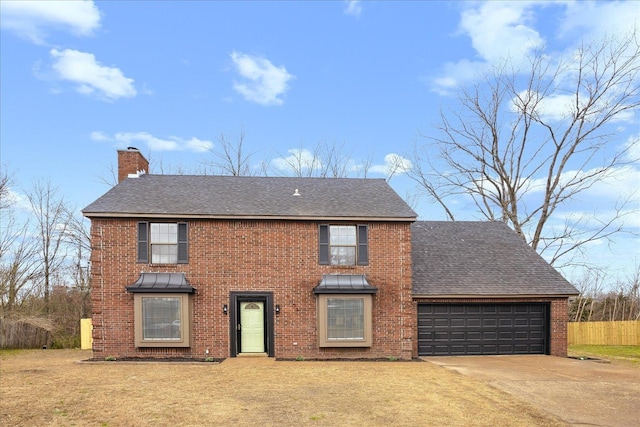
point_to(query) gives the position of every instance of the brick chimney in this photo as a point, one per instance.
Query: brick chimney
(131, 161)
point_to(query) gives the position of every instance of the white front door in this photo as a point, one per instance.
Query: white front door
(252, 327)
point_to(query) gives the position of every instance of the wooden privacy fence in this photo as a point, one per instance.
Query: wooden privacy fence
(25, 333)
(604, 333)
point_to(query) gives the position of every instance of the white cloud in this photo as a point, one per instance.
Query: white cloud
(498, 31)
(457, 73)
(393, 164)
(99, 136)
(33, 19)
(633, 148)
(90, 76)
(554, 107)
(501, 29)
(353, 8)
(509, 30)
(263, 83)
(299, 159)
(172, 143)
(18, 200)
(557, 106)
(612, 17)
(615, 186)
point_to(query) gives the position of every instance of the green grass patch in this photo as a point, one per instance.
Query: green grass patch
(622, 352)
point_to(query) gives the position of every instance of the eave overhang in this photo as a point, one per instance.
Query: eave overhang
(247, 217)
(490, 296)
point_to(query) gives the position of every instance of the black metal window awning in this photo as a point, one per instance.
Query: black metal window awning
(344, 284)
(161, 283)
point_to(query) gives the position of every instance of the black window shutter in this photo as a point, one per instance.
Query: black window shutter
(143, 242)
(323, 244)
(363, 244)
(183, 243)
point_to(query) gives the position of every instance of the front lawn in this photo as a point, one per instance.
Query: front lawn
(622, 353)
(53, 388)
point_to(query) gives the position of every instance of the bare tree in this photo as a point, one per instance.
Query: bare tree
(302, 162)
(19, 267)
(521, 145)
(79, 240)
(324, 160)
(52, 220)
(230, 157)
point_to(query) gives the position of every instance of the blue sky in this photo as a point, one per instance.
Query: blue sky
(82, 79)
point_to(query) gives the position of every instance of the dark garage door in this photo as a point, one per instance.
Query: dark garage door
(468, 329)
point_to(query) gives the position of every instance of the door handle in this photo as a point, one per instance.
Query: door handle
(239, 327)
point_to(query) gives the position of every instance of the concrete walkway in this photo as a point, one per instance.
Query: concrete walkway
(580, 392)
(249, 361)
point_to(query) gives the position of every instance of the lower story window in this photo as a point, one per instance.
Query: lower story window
(162, 320)
(344, 320)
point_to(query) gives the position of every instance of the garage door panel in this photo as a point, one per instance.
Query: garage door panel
(474, 322)
(474, 335)
(490, 322)
(441, 310)
(476, 329)
(505, 335)
(536, 322)
(489, 309)
(441, 336)
(441, 323)
(458, 336)
(458, 323)
(522, 336)
(489, 335)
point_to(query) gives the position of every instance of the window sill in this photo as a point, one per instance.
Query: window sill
(346, 267)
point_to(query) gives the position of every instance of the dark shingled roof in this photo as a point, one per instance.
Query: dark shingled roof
(251, 197)
(479, 259)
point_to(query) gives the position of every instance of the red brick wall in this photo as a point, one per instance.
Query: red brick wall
(558, 317)
(262, 256)
(129, 162)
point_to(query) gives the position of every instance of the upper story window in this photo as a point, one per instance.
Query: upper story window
(163, 242)
(343, 244)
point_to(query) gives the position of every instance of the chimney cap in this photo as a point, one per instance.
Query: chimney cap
(132, 148)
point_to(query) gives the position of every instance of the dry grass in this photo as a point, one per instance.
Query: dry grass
(52, 388)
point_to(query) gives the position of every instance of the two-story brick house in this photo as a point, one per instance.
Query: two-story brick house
(220, 266)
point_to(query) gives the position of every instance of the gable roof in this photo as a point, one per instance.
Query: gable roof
(458, 259)
(252, 198)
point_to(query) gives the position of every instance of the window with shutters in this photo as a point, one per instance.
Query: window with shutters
(162, 243)
(343, 244)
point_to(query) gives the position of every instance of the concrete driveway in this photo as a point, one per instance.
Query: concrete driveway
(579, 392)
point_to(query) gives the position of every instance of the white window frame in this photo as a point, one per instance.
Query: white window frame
(337, 241)
(161, 237)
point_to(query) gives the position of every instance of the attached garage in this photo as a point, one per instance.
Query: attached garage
(478, 329)
(479, 289)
